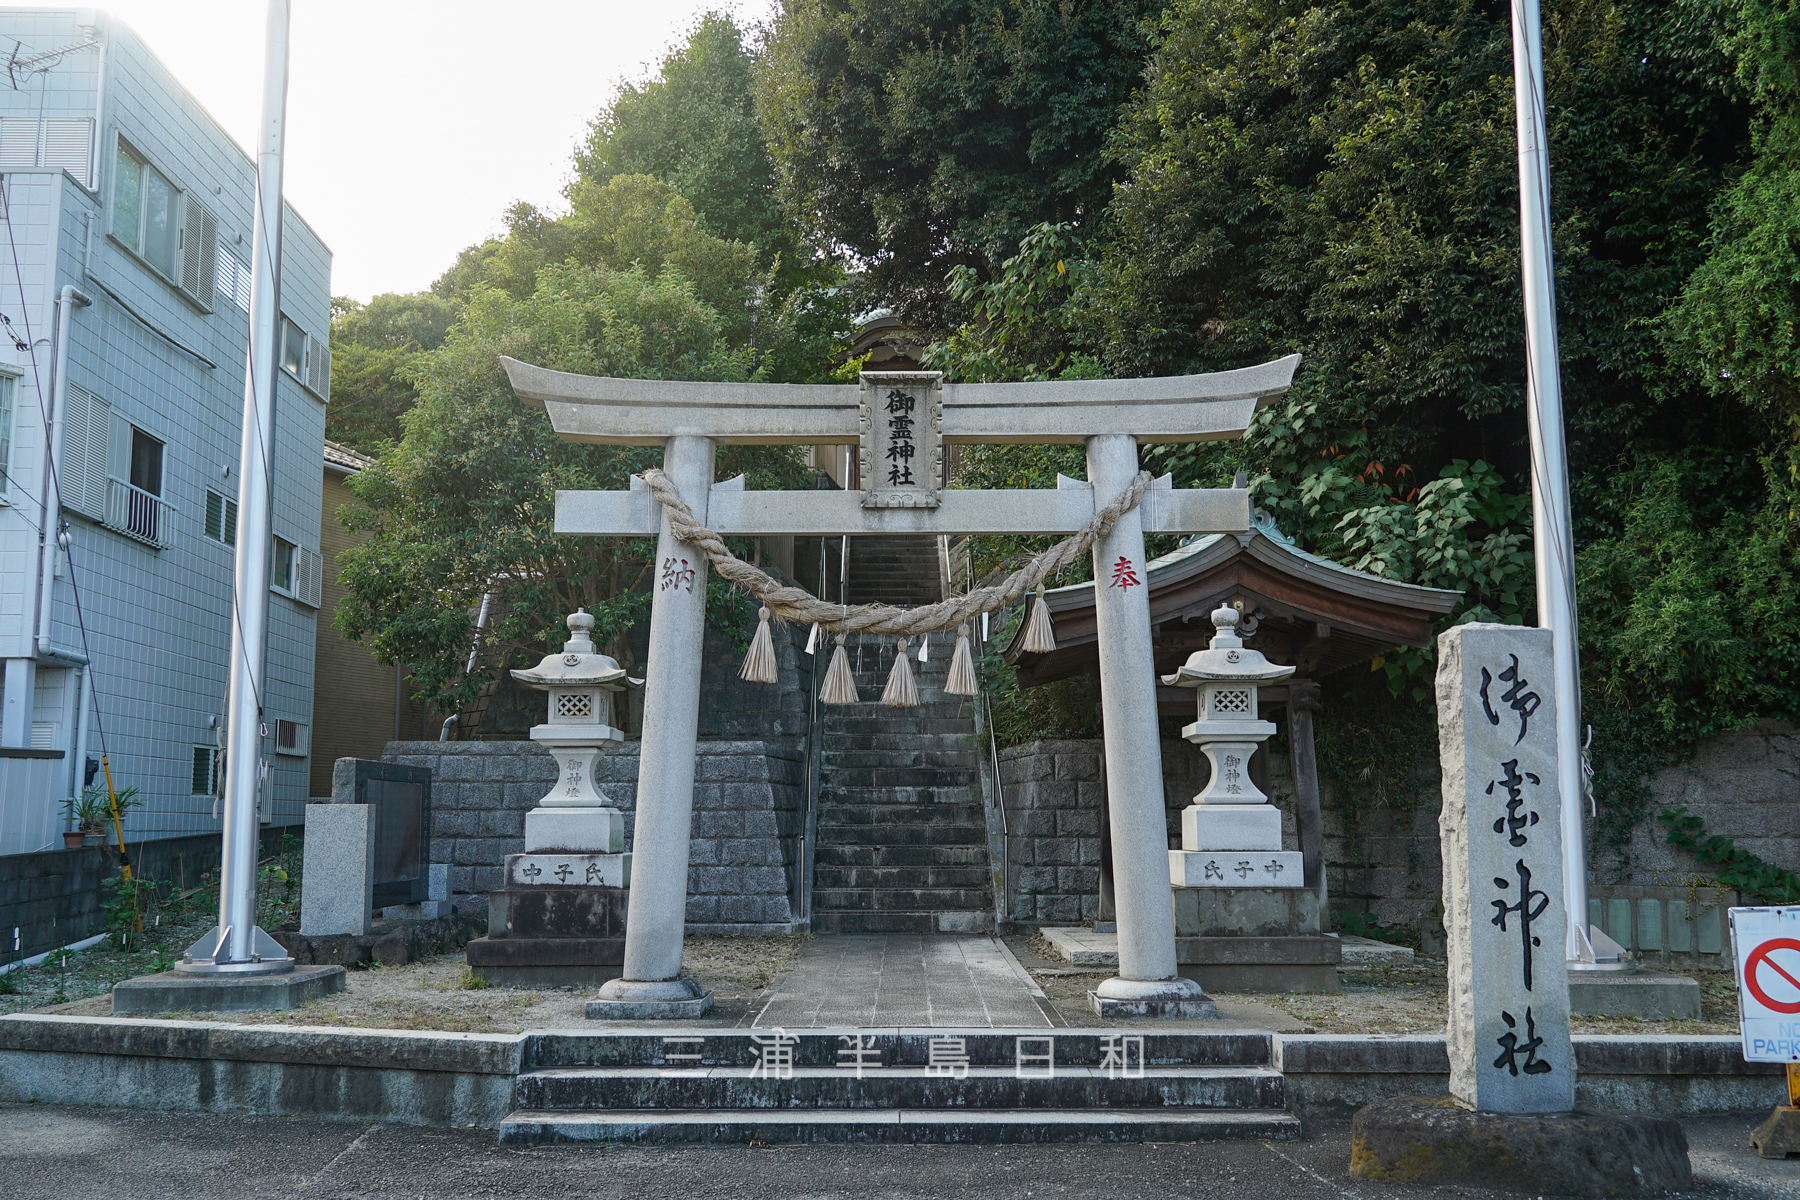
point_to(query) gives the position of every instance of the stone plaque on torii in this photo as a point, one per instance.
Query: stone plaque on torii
(900, 421)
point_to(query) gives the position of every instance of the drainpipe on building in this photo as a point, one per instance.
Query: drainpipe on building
(51, 508)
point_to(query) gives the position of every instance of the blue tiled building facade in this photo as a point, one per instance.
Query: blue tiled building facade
(117, 184)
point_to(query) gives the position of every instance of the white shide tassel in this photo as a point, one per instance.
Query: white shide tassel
(901, 691)
(840, 682)
(759, 664)
(962, 667)
(1039, 636)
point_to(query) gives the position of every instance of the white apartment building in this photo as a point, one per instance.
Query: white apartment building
(125, 285)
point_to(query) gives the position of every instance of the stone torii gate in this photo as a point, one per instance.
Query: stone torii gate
(900, 421)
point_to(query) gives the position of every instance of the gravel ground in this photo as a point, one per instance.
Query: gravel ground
(441, 994)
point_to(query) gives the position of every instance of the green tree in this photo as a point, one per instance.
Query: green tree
(693, 126)
(373, 349)
(923, 134)
(1733, 329)
(464, 503)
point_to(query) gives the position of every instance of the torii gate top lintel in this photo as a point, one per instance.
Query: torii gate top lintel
(647, 412)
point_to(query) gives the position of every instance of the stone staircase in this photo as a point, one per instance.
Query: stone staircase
(914, 1085)
(902, 837)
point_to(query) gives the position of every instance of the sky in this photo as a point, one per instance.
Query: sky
(413, 125)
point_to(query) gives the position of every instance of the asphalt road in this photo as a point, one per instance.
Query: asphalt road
(65, 1153)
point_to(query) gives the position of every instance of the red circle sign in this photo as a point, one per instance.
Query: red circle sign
(1759, 956)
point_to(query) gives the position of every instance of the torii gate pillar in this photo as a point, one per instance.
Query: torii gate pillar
(657, 907)
(1148, 983)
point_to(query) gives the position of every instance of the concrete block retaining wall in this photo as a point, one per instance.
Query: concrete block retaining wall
(748, 805)
(1053, 792)
(1383, 858)
(54, 896)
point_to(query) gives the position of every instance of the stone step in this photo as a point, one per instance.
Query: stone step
(936, 800)
(885, 777)
(893, 900)
(924, 875)
(824, 921)
(829, 854)
(842, 811)
(652, 1045)
(902, 835)
(852, 722)
(905, 1087)
(902, 757)
(917, 1126)
(901, 899)
(909, 741)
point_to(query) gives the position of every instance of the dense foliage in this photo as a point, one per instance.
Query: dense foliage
(919, 135)
(1130, 187)
(373, 349)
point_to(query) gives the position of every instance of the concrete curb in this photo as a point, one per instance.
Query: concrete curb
(413, 1078)
(1332, 1075)
(447, 1079)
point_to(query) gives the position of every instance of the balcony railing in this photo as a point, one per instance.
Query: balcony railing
(138, 514)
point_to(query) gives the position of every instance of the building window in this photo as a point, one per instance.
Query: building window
(7, 383)
(165, 227)
(205, 780)
(221, 518)
(146, 462)
(297, 572)
(146, 211)
(293, 349)
(281, 574)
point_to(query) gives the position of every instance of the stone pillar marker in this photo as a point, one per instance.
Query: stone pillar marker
(651, 986)
(1148, 982)
(1508, 1031)
(1512, 1066)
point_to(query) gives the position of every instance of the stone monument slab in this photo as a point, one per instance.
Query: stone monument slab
(1508, 1031)
(337, 883)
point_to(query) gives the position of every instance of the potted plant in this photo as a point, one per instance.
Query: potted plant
(92, 813)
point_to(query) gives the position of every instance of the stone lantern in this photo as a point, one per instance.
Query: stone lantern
(575, 817)
(559, 918)
(1232, 815)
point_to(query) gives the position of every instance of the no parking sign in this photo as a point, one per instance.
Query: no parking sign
(1766, 944)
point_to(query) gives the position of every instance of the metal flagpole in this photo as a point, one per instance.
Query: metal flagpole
(1552, 538)
(237, 946)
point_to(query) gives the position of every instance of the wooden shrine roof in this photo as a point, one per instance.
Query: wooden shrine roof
(1301, 609)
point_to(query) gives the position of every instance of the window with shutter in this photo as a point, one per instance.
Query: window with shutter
(318, 369)
(68, 145)
(313, 579)
(231, 278)
(205, 775)
(221, 518)
(87, 440)
(18, 143)
(199, 252)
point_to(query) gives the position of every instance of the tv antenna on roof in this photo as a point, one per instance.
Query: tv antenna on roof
(17, 68)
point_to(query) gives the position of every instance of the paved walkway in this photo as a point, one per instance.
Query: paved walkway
(55, 1153)
(853, 980)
